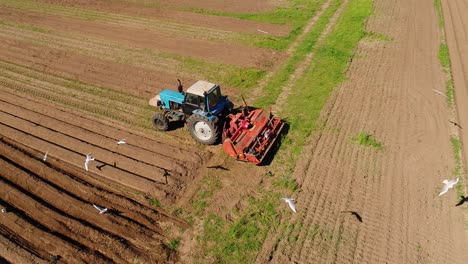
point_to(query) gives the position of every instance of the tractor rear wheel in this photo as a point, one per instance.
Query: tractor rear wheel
(203, 130)
(160, 121)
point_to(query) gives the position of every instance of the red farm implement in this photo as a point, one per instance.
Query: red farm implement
(249, 135)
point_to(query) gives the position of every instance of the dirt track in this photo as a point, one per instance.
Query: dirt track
(394, 191)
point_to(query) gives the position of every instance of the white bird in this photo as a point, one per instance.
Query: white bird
(291, 204)
(120, 142)
(448, 185)
(261, 31)
(45, 156)
(89, 158)
(4, 210)
(100, 209)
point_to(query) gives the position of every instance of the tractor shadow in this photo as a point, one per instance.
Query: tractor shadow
(174, 125)
(276, 145)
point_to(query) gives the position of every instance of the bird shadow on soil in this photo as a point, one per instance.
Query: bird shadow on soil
(114, 212)
(462, 201)
(220, 167)
(276, 145)
(355, 214)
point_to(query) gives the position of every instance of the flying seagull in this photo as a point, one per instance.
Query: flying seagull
(89, 158)
(100, 209)
(4, 210)
(291, 204)
(45, 156)
(448, 185)
(121, 142)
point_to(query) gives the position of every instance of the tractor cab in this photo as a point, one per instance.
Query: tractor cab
(204, 96)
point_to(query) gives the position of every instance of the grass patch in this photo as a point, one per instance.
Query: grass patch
(174, 244)
(444, 56)
(155, 202)
(286, 182)
(239, 241)
(209, 184)
(366, 139)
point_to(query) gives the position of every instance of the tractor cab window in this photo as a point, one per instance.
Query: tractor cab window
(214, 97)
(191, 99)
(195, 100)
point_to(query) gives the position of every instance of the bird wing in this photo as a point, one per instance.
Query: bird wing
(444, 189)
(445, 181)
(97, 207)
(86, 164)
(292, 205)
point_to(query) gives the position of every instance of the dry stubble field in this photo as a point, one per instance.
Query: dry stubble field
(76, 77)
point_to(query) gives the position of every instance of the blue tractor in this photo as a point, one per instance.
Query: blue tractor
(202, 107)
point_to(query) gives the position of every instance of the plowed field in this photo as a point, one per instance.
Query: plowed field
(393, 192)
(76, 76)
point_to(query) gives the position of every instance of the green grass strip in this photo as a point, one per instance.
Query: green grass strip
(440, 15)
(273, 89)
(327, 71)
(458, 170)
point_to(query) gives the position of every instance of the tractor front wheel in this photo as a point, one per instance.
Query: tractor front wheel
(160, 121)
(203, 130)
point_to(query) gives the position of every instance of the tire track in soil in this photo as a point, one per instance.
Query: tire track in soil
(394, 191)
(120, 229)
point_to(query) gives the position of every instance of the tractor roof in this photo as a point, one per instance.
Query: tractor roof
(200, 87)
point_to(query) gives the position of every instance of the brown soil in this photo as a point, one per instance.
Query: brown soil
(234, 6)
(226, 53)
(395, 190)
(457, 36)
(210, 21)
